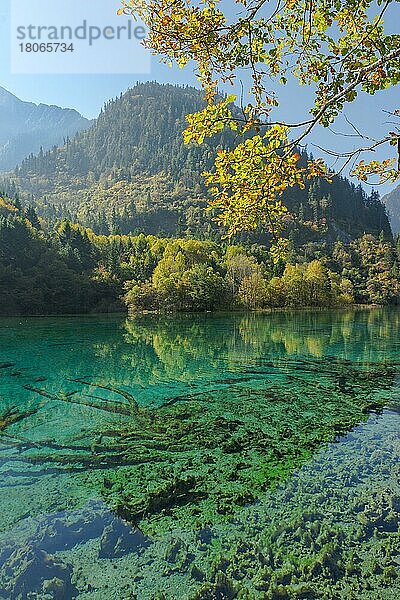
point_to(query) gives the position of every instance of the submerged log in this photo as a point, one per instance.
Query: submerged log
(112, 407)
(13, 415)
(22, 443)
(16, 441)
(132, 401)
(85, 461)
(106, 405)
(189, 397)
(141, 414)
(43, 393)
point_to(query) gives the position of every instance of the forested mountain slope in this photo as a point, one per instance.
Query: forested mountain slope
(46, 272)
(66, 268)
(131, 172)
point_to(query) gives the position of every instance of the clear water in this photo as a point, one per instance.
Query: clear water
(201, 456)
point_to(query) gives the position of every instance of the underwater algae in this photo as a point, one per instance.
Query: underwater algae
(199, 458)
(319, 536)
(238, 479)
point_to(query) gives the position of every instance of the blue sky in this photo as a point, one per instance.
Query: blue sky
(87, 93)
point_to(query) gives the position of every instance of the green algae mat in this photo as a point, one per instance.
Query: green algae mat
(201, 456)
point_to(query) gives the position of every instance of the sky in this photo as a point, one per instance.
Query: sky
(88, 91)
(33, 77)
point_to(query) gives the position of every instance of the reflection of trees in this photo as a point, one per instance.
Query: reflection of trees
(178, 347)
(184, 347)
(149, 350)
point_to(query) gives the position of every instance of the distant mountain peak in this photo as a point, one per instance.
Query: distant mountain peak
(25, 127)
(6, 95)
(131, 171)
(392, 203)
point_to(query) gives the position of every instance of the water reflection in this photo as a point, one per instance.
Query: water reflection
(185, 347)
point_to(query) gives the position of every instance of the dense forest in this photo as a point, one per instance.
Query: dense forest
(47, 273)
(132, 173)
(116, 218)
(66, 268)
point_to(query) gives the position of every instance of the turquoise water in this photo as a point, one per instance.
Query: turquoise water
(201, 456)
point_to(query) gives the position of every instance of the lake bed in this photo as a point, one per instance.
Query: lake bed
(201, 456)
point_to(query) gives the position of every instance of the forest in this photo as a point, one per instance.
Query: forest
(65, 268)
(118, 218)
(131, 172)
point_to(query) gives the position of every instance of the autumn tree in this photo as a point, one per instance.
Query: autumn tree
(239, 266)
(339, 48)
(253, 291)
(187, 277)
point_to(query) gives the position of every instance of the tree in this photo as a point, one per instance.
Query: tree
(205, 289)
(239, 267)
(186, 278)
(380, 283)
(339, 47)
(32, 217)
(294, 285)
(75, 246)
(276, 293)
(317, 284)
(36, 279)
(253, 291)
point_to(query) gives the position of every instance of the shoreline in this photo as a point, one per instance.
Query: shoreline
(132, 313)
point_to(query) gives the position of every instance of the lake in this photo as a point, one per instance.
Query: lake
(201, 456)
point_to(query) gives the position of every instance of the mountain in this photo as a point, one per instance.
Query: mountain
(26, 127)
(392, 203)
(131, 172)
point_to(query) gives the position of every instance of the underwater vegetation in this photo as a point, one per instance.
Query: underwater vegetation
(198, 457)
(319, 536)
(269, 468)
